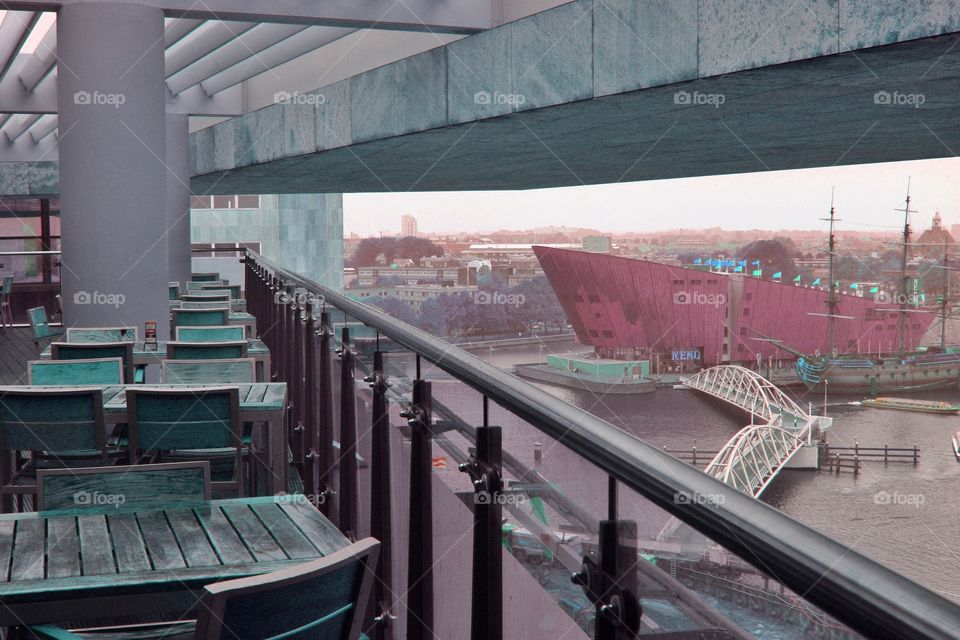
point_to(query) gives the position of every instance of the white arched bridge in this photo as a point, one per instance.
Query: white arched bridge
(779, 427)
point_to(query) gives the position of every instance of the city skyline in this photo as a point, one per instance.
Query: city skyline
(866, 197)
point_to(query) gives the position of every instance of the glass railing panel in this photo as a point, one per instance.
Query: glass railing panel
(36, 277)
(686, 581)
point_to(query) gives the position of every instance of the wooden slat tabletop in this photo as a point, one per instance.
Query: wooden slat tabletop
(255, 347)
(73, 554)
(257, 396)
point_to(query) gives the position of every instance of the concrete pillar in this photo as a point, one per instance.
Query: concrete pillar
(178, 197)
(111, 102)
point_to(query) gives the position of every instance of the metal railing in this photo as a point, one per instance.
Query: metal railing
(294, 319)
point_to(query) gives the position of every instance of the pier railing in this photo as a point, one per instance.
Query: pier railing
(488, 493)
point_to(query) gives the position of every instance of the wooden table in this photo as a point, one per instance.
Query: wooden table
(236, 304)
(260, 402)
(256, 349)
(246, 319)
(79, 564)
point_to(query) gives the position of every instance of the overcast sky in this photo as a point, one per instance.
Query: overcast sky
(866, 196)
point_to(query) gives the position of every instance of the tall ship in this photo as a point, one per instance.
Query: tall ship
(683, 318)
(903, 369)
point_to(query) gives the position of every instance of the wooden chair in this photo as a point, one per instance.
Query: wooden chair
(75, 372)
(206, 350)
(87, 350)
(196, 422)
(102, 334)
(209, 276)
(198, 318)
(234, 289)
(55, 428)
(198, 286)
(139, 486)
(6, 311)
(224, 333)
(323, 598)
(205, 304)
(207, 295)
(220, 371)
(41, 326)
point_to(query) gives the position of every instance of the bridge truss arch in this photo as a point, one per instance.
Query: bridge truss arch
(751, 392)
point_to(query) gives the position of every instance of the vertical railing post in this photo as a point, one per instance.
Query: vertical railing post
(311, 413)
(325, 418)
(611, 582)
(381, 513)
(297, 339)
(347, 462)
(420, 550)
(484, 468)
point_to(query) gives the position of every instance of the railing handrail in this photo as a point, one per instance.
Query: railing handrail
(55, 252)
(861, 593)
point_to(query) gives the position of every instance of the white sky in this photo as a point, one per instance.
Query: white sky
(866, 196)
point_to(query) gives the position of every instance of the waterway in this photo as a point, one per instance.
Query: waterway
(901, 515)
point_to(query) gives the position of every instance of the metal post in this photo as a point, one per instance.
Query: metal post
(381, 514)
(420, 552)
(325, 422)
(347, 461)
(298, 339)
(311, 473)
(484, 468)
(611, 583)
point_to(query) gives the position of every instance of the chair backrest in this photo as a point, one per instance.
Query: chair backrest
(164, 419)
(173, 292)
(224, 333)
(87, 350)
(39, 322)
(220, 371)
(205, 304)
(102, 334)
(7, 286)
(75, 372)
(206, 350)
(205, 277)
(324, 598)
(199, 317)
(198, 286)
(234, 289)
(199, 295)
(141, 486)
(52, 420)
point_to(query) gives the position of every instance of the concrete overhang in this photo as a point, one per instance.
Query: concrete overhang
(599, 92)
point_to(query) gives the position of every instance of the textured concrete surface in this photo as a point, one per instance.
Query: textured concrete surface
(608, 90)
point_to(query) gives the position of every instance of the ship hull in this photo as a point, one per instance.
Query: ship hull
(880, 379)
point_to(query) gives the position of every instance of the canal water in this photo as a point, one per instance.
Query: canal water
(901, 515)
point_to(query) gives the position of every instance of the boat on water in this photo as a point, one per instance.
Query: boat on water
(906, 369)
(912, 404)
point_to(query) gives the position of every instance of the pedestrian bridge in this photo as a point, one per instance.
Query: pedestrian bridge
(779, 427)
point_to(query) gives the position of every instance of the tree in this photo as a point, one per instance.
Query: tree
(773, 257)
(432, 318)
(539, 304)
(396, 308)
(411, 247)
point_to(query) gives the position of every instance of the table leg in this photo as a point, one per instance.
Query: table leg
(277, 477)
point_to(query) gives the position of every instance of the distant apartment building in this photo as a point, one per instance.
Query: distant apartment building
(597, 244)
(408, 226)
(416, 294)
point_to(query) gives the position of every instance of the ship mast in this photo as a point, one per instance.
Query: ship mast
(943, 299)
(832, 296)
(902, 322)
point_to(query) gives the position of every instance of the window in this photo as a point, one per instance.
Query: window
(697, 281)
(225, 202)
(593, 333)
(678, 282)
(748, 296)
(594, 298)
(200, 202)
(746, 311)
(607, 333)
(712, 281)
(248, 202)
